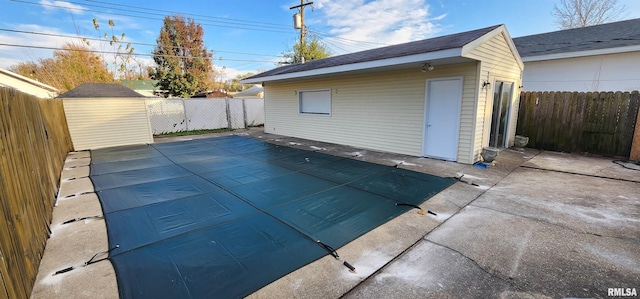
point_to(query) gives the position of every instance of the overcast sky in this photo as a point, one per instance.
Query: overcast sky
(249, 35)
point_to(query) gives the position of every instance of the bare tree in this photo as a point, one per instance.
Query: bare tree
(581, 13)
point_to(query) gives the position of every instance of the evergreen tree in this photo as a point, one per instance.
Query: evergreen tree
(311, 49)
(183, 64)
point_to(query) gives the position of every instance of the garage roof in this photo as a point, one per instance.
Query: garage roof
(447, 46)
(623, 36)
(100, 90)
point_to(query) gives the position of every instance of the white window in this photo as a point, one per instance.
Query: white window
(315, 102)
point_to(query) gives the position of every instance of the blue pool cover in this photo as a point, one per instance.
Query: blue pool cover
(223, 217)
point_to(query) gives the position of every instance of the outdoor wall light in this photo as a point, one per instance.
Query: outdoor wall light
(486, 84)
(427, 67)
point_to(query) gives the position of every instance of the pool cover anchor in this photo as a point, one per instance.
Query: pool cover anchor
(420, 210)
(352, 269)
(84, 218)
(87, 263)
(460, 179)
(332, 251)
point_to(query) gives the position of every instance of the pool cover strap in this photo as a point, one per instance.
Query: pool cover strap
(329, 249)
(223, 217)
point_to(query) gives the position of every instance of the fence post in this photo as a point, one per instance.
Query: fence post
(244, 113)
(228, 113)
(635, 144)
(186, 120)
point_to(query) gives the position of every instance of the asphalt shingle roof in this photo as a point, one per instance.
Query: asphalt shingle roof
(251, 91)
(411, 48)
(611, 35)
(100, 90)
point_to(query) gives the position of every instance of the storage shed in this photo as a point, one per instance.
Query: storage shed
(446, 97)
(105, 115)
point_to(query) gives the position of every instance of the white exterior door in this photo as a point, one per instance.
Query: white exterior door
(442, 118)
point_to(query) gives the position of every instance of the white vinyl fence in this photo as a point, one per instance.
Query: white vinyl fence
(175, 115)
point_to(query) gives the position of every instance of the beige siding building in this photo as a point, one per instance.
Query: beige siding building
(432, 98)
(27, 85)
(106, 115)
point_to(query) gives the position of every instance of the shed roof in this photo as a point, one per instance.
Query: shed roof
(418, 51)
(599, 39)
(100, 90)
(254, 90)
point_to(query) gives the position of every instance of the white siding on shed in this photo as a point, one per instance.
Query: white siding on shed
(106, 122)
(612, 72)
(497, 61)
(384, 110)
(381, 111)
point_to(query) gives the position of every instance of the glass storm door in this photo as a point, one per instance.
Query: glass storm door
(500, 114)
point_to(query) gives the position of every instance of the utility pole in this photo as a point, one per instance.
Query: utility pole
(302, 29)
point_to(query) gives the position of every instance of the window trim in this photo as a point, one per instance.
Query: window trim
(300, 94)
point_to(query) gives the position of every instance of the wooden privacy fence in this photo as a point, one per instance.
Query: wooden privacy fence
(599, 123)
(34, 141)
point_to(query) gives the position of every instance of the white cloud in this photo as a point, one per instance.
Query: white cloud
(12, 55)
(228, 73)
(377, 22)
(54, 5)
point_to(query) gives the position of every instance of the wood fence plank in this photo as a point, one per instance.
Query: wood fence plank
(634, 113)
(599, 123)
(34, 142)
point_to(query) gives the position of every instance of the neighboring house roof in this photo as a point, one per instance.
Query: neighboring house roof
(253, 91)
(146, 88)
(617, 37)
(211, 94)
(26, 85)
(140, 84)
(100, 90)
(446, 49)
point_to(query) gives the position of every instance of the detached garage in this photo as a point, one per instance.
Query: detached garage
(445, 97)
(106, 115)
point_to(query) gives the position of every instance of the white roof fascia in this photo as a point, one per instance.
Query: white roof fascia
(491, 34)
(582, 53)
(423, 57)
(28, 80)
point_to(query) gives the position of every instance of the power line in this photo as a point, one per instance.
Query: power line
(350, 42)
(133, 43)
(346, 39)
(149, 18)
(328, 43)
(163, 15)
(134, 54)
(239, 25)
(188, 14)
(239, 20)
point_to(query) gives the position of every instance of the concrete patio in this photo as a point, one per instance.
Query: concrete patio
(534, 225)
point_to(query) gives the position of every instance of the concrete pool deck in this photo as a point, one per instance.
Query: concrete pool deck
(534, 225)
